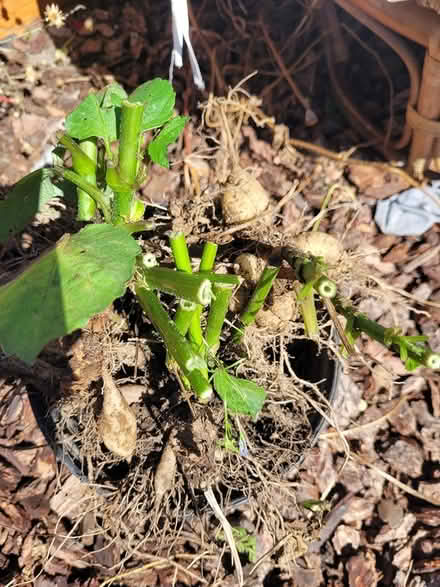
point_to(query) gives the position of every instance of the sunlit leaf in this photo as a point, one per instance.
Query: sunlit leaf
(241, 396)
(158, 147)
(159, 98)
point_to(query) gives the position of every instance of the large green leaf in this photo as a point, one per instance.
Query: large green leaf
(158, 147)
(159, 98)
(25, 199)
(66, 286)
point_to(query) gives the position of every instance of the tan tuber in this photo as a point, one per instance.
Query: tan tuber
(319, 244)
(117, 422)
(244, 197)
(250, 267)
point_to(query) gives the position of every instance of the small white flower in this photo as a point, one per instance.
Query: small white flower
(54, 16)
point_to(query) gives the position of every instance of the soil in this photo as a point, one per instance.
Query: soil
(375, 513)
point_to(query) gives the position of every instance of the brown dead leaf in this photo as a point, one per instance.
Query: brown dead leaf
(385, 241)
(161, 185)
(69, 500)
(405, 456)
(429, 516)
(400, 532)
(359, 509)
(375, 182)
(362, 570)
(344, 536)
(398, 253)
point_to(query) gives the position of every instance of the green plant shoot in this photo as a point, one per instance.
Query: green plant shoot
(245, 542)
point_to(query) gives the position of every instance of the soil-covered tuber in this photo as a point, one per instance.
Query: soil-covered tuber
(279, 311)
(117, 422)
(319, 244)
(244, 197)
(250, 267)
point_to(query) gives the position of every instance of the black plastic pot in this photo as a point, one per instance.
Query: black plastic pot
(307, 364)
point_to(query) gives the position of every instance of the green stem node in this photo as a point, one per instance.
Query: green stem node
(93, 191)
(361, 323)
(129, 144)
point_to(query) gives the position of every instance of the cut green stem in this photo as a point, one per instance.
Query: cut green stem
(184, 315)
(311, 271)
(129, 144)
(180, 252)
(261, 291)
(216, 317)
(208, 257)
(93, 191)
(326, 287)
(308, 312)
(422, 355)
(190, 363)
(84, 156)
(86, 204)
(195, 288)
(207, 263)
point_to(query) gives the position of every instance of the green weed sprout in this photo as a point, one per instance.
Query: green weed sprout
(245, 542)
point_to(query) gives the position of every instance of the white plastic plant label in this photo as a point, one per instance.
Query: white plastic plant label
(179, 10)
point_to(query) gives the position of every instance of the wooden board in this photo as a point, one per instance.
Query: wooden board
(18, 15)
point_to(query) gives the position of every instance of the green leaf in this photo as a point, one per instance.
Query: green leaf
(27, 198)
(158, 147)
(159, 99)
(240, 396)
(90, 119)
(112, 95)
(60, 291)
